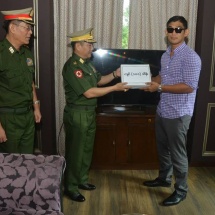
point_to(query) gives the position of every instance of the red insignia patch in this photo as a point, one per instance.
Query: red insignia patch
(78, 73)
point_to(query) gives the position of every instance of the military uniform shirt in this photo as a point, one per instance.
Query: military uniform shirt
(79, 76)
(16, 76)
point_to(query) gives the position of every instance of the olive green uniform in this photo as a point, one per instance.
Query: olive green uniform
(79, 120)
(16, 96)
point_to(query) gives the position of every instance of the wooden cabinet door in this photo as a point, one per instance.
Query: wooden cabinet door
(125, 142)
(122, 142)
(110, 149)
(142, 145)
(104, 148)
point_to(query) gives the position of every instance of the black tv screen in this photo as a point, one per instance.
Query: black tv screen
(108, 60)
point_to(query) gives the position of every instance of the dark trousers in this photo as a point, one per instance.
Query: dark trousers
(171, 136)
(20, 132)
(80, 128)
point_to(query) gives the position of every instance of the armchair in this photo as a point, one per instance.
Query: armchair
(31, 184)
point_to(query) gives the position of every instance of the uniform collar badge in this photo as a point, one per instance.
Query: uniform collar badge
(81, 60)
(11, 50)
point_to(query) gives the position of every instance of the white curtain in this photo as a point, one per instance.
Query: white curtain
(148, 21)
(105, 16)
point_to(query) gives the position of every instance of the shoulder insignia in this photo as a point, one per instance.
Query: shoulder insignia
(75, 63)
(78, 73)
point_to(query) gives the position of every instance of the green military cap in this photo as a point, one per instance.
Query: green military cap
(25, 15)
(84, 35)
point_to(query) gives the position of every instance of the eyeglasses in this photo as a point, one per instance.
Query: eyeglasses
(29, 28)
(177, 30)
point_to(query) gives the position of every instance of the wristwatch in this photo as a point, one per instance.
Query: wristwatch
(36, 102)
(160, 88)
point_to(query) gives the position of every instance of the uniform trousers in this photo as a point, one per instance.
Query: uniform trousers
(171, 138)
(80, 128)
(20, 132)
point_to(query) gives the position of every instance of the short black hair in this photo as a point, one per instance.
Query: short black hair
(178, 18)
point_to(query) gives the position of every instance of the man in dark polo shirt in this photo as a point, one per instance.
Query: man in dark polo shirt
(19, 106)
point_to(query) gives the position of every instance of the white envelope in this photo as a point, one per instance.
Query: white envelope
(136, 75)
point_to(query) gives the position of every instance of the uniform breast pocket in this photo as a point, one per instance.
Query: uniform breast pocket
(14, 79)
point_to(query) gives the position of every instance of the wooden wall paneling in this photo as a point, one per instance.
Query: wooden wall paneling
(47, 82)
(202, 149)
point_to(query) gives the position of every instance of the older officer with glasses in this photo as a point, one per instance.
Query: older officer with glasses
(177, 83)
(19, 106)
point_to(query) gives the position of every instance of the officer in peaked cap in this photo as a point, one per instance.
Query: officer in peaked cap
(80, 84)
(19, 106)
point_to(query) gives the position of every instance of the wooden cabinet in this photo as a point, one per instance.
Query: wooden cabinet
(125, 140)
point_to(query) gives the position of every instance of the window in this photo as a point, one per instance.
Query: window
(125, 28)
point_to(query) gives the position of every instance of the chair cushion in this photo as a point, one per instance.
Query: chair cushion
(31, 181)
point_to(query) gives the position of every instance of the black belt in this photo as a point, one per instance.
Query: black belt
(15, 110)
(82, 107)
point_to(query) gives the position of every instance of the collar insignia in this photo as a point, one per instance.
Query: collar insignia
(11, 50)
(81, 60)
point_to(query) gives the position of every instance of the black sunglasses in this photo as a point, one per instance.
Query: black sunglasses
(177, 30)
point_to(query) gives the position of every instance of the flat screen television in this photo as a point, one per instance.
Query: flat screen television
(108, 60)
